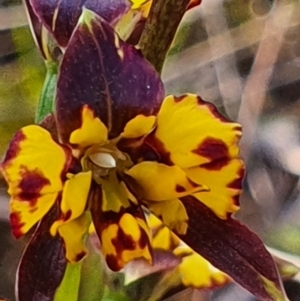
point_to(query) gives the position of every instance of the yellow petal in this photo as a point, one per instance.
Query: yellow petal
(153, 222)
(139, 126)
(138, 3)
(197, 272)
(126, 25)
(172, 213)
(26, 214)
(34, 163)
(92, 229)
(126, 240)
(162, 237)
(158, 182)
(92, 131)
(224, 184)
(115, 195)
(145, 8)
(32, 167)
(192, 132)
(74, 198)
(73, 233)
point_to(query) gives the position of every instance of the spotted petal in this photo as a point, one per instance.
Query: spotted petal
(101, 71)
(224, 182)
(153, 181)
(190, 132)
(34, 182)
(121, 227)
(61, 17)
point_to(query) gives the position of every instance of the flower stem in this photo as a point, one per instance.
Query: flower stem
(46, 100)
(160, 29)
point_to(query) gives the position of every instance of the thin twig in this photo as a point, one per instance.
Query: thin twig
(160, 29)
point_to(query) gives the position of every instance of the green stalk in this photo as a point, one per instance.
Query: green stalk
(46, 101)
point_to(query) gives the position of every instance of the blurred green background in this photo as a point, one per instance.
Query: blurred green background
(22, 73)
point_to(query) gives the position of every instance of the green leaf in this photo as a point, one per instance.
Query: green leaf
(69, 288)
(91, 284)
(46, 101)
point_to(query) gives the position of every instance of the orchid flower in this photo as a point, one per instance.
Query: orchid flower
(119, 149)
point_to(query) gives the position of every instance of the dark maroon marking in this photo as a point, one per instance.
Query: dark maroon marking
(216, 164)
(237, 183)
(113, 263)
(180, 188)
(31, 184)
(178, 99)
(103, 220)
(67, 215)
(144, 239)
(32, 210)
(80, 255)
(72, 165)
(16, 224)
(156, 145)
(212, 148)
(138, 150)
(214, 110)
(236, 199)
(193, 184)
(32, 181)
(123, 241)
(14, 147)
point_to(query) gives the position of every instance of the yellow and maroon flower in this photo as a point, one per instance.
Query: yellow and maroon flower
(122, 150)
(120, 183)
(99, 166)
